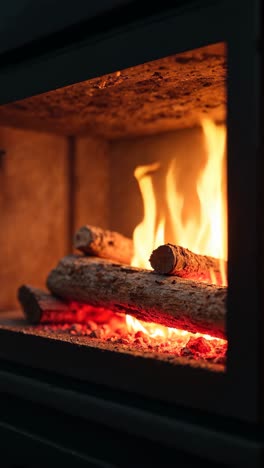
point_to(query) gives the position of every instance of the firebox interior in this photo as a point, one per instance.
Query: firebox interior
(69, 157)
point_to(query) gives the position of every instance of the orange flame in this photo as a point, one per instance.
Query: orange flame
(204, 233)
(153, 330)
(146, 236)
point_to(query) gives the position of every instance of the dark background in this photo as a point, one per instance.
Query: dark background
(22, 21)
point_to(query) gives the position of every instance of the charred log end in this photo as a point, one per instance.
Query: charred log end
(163, 260)
(29, 304)
(82, 239)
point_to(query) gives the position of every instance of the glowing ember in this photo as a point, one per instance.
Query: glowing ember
(152, 330)
(104, 325)
(78, 313)
(180, 342)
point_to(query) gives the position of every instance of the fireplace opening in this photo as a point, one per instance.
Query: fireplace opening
(113, 195)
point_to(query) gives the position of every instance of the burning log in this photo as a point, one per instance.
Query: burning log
(171, 259)
(38, 305)
(42, 307)
(178, 303)
(102, 243)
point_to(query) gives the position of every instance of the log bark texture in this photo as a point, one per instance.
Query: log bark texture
(179, 303)
(171, 259)
(102, 243)
(40, 306)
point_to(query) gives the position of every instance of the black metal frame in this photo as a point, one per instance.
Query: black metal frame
(44, 413)
(238, 392)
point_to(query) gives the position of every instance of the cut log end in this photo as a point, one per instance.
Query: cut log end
(163, 260)
(28, 298)
(82, 239)
(175, 260)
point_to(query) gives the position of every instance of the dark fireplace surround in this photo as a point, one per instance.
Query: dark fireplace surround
(215, 416)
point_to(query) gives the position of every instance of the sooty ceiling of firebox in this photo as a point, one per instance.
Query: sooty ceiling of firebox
(166, 94)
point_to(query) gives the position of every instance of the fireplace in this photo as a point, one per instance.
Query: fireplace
(149, 135)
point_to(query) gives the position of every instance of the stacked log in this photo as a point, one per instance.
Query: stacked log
(177, 302)
(40, 306)
(167, 295)
(175, 260)
(92, 240)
